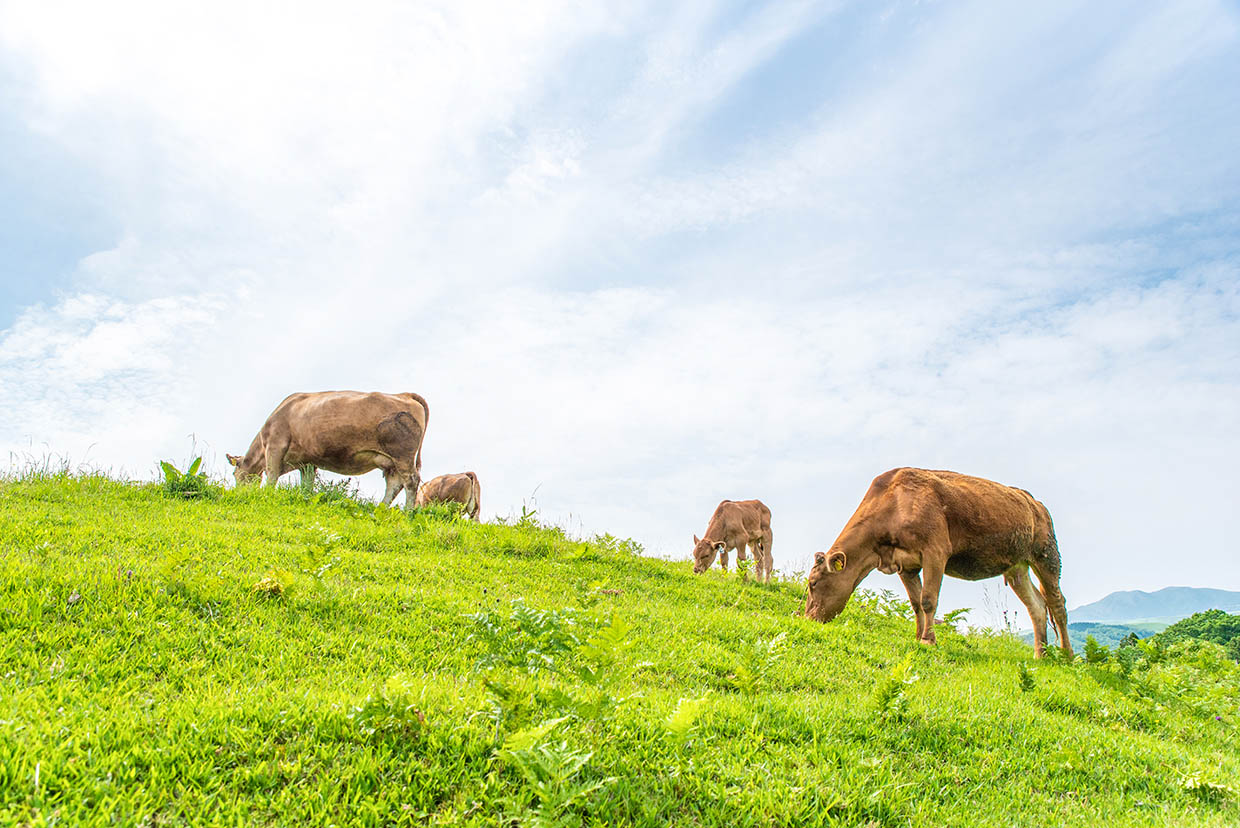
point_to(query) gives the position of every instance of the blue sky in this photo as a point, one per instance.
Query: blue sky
(642, 258)
(49, 219)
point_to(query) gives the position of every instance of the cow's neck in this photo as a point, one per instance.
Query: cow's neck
(254, 455)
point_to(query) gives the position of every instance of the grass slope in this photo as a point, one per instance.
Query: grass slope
(262, 658)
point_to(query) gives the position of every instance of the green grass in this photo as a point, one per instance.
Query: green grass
(264, 658)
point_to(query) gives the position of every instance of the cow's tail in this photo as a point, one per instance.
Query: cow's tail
(477, 494)
(426, 423)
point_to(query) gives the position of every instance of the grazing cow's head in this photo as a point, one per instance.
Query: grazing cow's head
(831, 584)
(240, 473)
(704, 553)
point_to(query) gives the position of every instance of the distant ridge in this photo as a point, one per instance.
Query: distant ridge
(1168, 604)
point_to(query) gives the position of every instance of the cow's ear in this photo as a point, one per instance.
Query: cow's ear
(695, 540)
(233, 459)
(837, 561)
(820, 558)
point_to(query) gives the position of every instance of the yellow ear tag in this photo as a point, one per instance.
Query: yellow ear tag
(838, 565)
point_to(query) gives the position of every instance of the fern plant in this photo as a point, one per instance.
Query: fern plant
(530, 639)
(889, 693)
(683, 721)
(391, 710)
(956, 616)
(1025, 677)
(600, 651)
(550, 771)
(750, 676)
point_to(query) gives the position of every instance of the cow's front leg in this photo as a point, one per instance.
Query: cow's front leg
(393, 486)
(932, 581)
(275, 463)
(723, 559)
(740, 562)
(912, 585)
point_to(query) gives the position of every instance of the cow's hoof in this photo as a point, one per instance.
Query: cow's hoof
(928, 640)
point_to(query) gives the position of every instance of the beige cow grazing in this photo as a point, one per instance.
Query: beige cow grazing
(925, 524)
(460, 488)
(735, 525)
(347, 432)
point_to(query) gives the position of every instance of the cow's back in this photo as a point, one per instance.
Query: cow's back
(347, 414)
(984, 519)
(739, 515)
(330, 428)
(753, 512)
(975, 506)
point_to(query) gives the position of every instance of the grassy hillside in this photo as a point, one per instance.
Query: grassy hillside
(264, 658)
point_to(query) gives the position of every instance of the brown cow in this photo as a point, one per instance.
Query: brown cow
(735, 524)
(347, 432)
(460, 488)
(923, 524)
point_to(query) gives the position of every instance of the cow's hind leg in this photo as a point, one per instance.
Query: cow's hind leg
(769, 558)
(761, 561)
(411, 482)
(400, 438)
(1018, 579)
(393, 486)
(1058, 611)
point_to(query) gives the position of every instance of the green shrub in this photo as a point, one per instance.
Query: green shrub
(1212, 625)
(1095, 653)
(190, 483)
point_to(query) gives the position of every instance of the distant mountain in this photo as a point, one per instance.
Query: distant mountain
(1165, 605)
